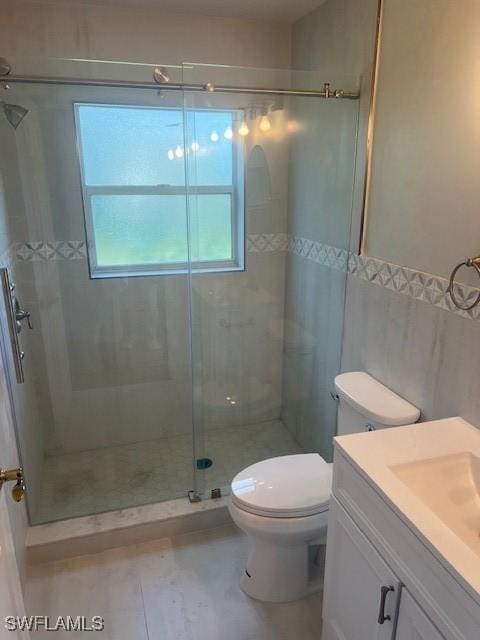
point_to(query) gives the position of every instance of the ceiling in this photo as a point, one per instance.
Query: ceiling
(283, 10)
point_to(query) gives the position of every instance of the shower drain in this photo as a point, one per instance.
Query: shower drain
(204, 463)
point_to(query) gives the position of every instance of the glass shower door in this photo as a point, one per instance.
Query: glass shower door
(100, 259)
(267, 316)
(185, 274)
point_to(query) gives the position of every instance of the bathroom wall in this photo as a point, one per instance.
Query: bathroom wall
(423, 211)
(115, 358)
(337, 41)
(31, 31)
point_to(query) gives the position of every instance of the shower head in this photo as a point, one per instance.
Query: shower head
(14, 113)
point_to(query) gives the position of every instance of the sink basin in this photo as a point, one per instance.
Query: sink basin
(450, 487)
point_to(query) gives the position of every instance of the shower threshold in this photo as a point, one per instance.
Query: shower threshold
(158, 470)
(85, 517)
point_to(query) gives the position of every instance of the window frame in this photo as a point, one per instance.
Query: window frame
(236, 191)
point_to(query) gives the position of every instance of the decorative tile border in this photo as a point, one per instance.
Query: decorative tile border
(415, 284)
(77, 250)
(59, 250)
(322, 254)
(266, 242)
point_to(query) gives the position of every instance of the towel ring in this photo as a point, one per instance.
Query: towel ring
(469, 262)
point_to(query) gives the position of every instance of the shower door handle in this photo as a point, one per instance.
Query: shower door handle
(20, 316)
(18, 355)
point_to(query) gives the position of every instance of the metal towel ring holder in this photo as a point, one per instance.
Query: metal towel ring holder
(469, 262)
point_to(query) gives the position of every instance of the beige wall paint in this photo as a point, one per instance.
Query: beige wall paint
(425, 192)
(32, 29)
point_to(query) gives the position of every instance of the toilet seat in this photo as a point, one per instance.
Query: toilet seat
(284, 487)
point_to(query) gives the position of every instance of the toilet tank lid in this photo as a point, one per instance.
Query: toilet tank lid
(373, 400)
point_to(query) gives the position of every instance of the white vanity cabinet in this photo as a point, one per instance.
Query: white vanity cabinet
(359, 584)
(382, 582)
(412, 623)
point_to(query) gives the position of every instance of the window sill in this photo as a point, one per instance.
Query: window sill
(103, 273)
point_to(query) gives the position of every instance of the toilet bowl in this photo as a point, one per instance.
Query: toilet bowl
(282, 503)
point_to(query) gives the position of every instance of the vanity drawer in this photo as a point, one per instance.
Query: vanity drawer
(441, 596)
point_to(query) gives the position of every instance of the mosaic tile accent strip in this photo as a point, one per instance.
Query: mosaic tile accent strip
(77, 250)
(57, 250)
(322, 254)
(418, 285)
(266, 242)
(415, 284)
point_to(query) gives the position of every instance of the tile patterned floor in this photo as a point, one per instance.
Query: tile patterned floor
(183, 588)
(117, 477)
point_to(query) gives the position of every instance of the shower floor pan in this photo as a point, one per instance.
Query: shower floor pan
(112, 478)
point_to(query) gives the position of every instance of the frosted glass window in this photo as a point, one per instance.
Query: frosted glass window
(139, 229)
(211, 228)
(134, 165)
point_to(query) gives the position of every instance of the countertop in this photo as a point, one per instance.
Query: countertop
(373, 453)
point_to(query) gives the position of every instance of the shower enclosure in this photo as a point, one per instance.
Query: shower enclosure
(182, 253)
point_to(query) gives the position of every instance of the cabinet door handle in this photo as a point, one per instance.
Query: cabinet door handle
(384, 591)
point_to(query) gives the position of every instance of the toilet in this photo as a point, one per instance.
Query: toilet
(282, 503)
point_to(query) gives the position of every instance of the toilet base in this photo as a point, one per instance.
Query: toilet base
(277, 573)
(287, 555)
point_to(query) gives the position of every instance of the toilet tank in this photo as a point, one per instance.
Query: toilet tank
(365, 404)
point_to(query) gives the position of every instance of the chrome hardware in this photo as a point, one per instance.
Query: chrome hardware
(335, 396)
(193, 496)
(370, 427)
(161, 75)
(469, 262)
(384, 591)
(14, 475)
(18, 354)
(20, 315)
